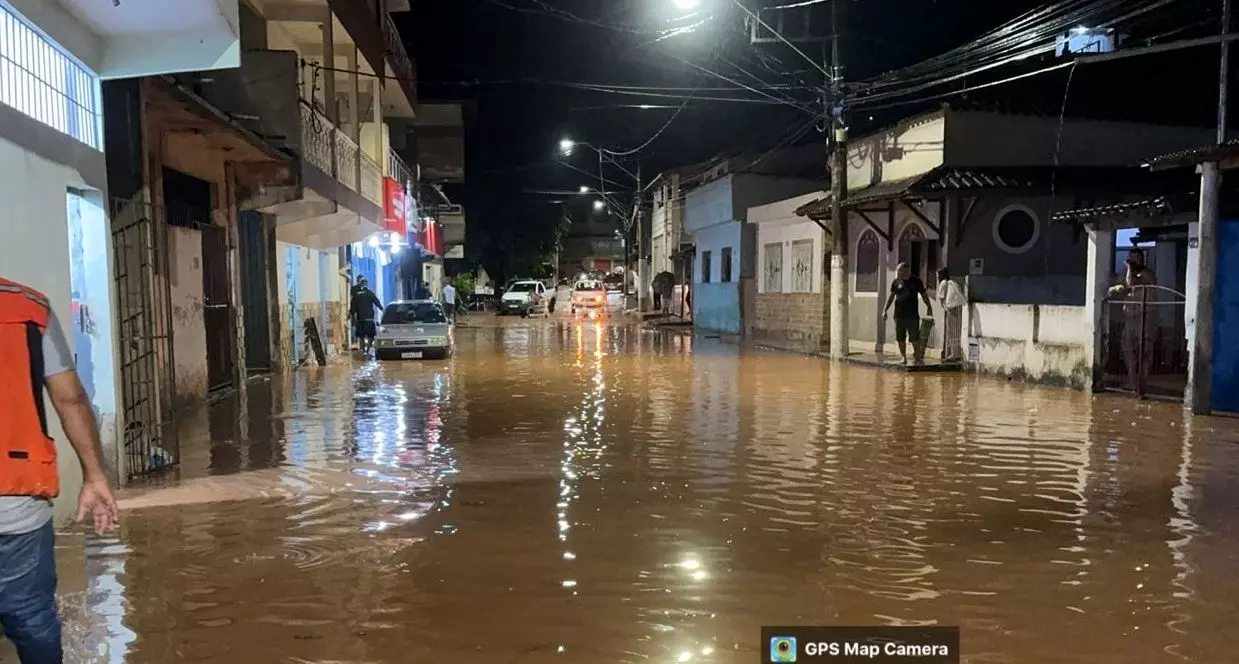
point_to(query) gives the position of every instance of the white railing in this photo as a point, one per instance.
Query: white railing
(39, 80)
(398, 170)
(347, 153)
(316, 133)
(371, 179)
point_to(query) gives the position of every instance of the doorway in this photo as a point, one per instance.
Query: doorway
(253, 252)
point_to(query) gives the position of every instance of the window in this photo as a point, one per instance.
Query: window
(409, 313)
(726, 267)
(773, 267)
(38, 79)
(1016, 229)
(802, 266)
(705, 267)
(868, 251)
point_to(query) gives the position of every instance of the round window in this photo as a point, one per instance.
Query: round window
(1016, 229)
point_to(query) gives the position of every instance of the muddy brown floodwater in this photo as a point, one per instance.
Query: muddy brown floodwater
(606, 494)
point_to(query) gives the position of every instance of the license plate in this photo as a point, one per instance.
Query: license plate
(410, 356)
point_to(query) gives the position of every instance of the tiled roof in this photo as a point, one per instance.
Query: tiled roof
(935, 181)
(1193, 156)
(1159, 205)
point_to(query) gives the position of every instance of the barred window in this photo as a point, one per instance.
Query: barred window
(773, 267)
(40, 80)
(802, 266)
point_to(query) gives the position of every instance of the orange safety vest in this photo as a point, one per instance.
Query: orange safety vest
(27, 453)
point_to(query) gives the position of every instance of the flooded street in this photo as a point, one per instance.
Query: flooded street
(558, 493)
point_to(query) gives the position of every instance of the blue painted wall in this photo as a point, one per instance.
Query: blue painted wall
(1226, 320)
(716, 304)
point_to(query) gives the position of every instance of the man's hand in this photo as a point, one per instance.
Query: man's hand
(96, 499)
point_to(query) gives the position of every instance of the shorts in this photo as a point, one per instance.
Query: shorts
(908, 329)
(366, 329)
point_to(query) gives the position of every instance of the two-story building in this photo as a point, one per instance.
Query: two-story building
(716, 217)
(59, 226)
(242, 186)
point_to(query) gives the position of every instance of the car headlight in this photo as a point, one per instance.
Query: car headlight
(438, 341)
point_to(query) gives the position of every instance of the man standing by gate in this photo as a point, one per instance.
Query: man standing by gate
(361, 312)
(34, 355)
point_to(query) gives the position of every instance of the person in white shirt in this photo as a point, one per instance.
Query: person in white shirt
(449, 300)
(951, 299)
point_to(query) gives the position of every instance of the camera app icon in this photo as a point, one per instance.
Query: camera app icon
(783, 649)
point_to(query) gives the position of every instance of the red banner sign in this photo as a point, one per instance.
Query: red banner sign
(431, 237)
(394, 207)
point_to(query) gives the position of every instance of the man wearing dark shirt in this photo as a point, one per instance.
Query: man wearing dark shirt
(904, 292)
(361, 311)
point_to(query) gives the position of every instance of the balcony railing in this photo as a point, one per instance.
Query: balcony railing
(347, 154)
(398, 170)
(371, 179)
(401, 65)
(316, 138)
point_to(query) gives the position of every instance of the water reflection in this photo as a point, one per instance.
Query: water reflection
(613, 495)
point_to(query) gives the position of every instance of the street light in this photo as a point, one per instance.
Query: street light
(599, 205)
(566, 146)
(687, 5)
(584, 189)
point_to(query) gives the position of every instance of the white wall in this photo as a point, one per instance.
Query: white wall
(35, 251)
(188, 322)
(778, 222)
(1041, 343)
(909, 149)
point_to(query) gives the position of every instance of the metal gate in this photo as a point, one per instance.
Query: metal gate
(144, 329)
(252, 229)
(1144, 343)
(217, 307)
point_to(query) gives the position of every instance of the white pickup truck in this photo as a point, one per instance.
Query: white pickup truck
(526, 297)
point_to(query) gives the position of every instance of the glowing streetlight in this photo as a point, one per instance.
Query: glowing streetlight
(687, 5)
(584, 189)
(567, 145)
(599, 205)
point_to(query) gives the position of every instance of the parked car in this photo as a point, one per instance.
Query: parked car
(414, 330)
(589, 300)
(522, 297)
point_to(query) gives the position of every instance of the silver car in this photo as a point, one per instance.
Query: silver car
(414, 330)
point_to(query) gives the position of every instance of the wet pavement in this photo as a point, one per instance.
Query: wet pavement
(559, 493)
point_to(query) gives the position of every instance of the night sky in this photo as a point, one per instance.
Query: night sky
(520, 64)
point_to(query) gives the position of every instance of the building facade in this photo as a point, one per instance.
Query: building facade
(792, 277)
(235, 191)
(52, 149)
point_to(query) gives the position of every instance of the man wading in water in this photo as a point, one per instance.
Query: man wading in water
(34, 356)
(907, 314)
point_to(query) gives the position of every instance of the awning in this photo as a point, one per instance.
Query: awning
(941, 180)
(1227, 153)
(1151, 207)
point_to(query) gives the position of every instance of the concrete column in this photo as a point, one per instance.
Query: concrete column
(1099, 275)
(879, 345)
(1199, 394)
(329, 61)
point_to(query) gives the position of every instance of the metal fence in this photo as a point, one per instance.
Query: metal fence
(347, 154)
(144, 328)
(1144, 343)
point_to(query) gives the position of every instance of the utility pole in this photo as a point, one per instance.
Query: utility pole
(639, 223)
(838, 193)
(1199, 393)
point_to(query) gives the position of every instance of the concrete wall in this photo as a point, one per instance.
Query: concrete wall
(1037, 343)
(906, 150)
(188, 325)
(1051, 271)
(978, 138)
(35, 251)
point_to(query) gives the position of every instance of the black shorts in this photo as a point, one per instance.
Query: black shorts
(366, 329)
(908, 329)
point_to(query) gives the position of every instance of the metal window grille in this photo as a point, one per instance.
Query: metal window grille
(38, 79)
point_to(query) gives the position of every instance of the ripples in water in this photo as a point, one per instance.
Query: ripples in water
(611, 495)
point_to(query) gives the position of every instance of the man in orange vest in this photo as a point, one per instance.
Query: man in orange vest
(34, 356)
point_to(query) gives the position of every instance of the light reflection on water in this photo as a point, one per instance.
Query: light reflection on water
(614, 495)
